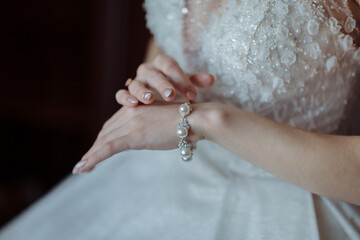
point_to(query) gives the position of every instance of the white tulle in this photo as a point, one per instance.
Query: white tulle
(291, 61)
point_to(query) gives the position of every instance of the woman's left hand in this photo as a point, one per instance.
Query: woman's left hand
(145, 127)
(164, 76)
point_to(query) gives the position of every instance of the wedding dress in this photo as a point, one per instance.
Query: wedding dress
(288, 60)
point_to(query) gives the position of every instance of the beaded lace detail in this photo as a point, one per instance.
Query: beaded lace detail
(291, 61)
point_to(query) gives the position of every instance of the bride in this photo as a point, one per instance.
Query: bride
(268, 157)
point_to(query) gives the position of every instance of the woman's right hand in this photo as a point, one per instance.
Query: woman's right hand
(165, 76)
(145, 127)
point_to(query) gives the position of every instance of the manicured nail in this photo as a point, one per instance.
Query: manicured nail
(191, 95)
(168, 92)
(146, 96)
(213, 77)
(132, 100)
(78, 166)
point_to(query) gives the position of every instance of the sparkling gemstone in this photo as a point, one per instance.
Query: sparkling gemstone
(182, 132)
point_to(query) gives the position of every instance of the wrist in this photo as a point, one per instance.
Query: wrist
(206, 119)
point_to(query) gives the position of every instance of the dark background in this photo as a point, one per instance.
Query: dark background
(61, 62)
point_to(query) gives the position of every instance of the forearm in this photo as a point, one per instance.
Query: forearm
(328, 165)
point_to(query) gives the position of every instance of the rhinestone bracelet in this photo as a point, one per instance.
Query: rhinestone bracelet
(183, 131)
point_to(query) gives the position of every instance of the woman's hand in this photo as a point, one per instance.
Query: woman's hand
(165, 76)
(144, 127)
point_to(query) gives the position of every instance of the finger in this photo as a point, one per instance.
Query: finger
(128, 118)
(78, 166)
(138, 90)
(106, 151)
(123, 97)
(178, 78)
(157, 80)
(109, 125)
(202, 80)
(107, 135)
(113, 120)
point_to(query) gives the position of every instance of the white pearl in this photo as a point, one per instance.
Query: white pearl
(184, 109)
(182, 132)
(185, 152)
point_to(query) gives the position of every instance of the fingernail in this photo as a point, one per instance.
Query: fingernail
(168, 92)
(132, 100)
(213, 76)
(191, 95)
(146, 96)
(78, 166)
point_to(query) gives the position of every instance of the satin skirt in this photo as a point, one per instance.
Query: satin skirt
(155, 195)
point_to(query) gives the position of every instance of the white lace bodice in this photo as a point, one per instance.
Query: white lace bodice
(289, 60)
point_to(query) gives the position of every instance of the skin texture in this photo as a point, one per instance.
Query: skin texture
(324, 164)
(327, 165)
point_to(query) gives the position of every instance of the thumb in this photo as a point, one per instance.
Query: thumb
(202, 80)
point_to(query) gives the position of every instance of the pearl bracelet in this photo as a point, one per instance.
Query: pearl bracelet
(183, 131)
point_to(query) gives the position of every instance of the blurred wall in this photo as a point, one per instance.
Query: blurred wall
(61, 62)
